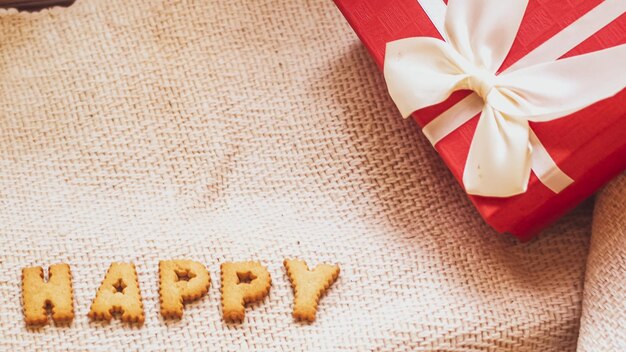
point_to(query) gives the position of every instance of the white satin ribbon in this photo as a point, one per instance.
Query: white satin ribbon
(478, 35)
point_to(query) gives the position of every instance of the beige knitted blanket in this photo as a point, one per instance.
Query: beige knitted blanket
(239, 130)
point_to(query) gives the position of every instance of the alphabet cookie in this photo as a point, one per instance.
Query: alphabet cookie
(242, 282)
(181, 281)
(56, 293)
(118, 293)
(309, 286)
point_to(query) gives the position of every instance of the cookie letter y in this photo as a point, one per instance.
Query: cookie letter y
(309, 286)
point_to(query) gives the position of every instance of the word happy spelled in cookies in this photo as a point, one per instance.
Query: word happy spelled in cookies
(180, 282)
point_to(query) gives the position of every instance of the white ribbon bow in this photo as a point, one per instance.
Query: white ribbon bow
(478, 35)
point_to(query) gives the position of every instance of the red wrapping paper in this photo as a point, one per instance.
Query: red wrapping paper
(589, 145)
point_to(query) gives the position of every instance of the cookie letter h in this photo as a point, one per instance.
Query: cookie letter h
(56, 294)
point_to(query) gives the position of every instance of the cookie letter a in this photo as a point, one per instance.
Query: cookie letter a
(309, 286)
(242, 282)
(181, 281)
(118, 293)
(38, 295)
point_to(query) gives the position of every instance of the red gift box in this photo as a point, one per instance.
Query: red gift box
(589, 145)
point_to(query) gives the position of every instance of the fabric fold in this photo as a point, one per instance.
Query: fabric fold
(603, 318)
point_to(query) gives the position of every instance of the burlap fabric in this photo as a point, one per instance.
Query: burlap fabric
(238, 130)
(603, 321)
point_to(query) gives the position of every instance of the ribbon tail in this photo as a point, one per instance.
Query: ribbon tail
(545, 168)
(499, 159)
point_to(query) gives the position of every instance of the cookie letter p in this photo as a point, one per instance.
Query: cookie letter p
(56, 293)
(242, 283)
(181, 281)
(118, 293)
(309, 285)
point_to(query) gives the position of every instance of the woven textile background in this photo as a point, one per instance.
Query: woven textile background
(603, 320)
(239, 130)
